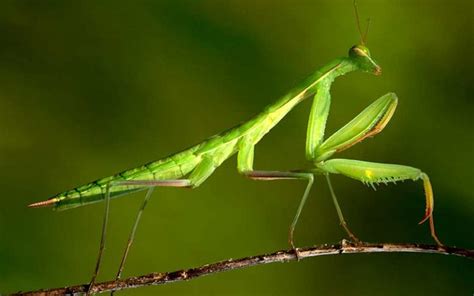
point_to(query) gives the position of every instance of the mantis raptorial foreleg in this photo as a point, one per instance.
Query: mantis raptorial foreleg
(369, 122)
(375, 173)
(317, 119)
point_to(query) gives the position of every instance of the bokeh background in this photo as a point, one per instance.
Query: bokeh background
(90, 88)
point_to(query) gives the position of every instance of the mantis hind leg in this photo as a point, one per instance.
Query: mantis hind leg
(199, 174)
(102, 239)
(144, 184)
(339, 211)
(132, 233)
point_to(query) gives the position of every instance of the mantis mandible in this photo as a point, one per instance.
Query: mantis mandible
(191, 167)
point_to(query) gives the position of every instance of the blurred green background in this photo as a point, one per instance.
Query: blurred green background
(90, 88)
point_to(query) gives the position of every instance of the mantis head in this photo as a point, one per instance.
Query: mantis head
(360, 55)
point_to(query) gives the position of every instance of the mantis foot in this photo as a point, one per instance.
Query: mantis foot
(349, 233)
(297, 253)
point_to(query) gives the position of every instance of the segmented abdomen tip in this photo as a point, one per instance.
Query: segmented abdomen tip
(44, 203)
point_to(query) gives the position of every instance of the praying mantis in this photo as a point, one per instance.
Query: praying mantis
(191, 167)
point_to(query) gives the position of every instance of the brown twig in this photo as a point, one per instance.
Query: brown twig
(161, 278)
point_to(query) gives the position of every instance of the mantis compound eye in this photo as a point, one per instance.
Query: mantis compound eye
(359, 51)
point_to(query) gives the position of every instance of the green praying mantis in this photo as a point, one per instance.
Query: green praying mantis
(191, 167)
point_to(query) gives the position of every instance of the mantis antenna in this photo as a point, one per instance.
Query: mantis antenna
(366, 30)
(363, 37)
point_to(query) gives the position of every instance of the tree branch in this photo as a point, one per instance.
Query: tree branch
(161, 278)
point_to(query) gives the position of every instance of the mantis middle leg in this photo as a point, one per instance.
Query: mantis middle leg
(342, 221)
(245, 167)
